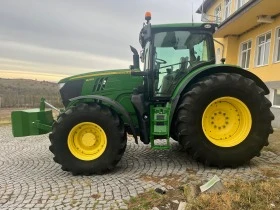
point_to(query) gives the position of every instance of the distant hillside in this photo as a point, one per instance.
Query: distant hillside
(27, 93)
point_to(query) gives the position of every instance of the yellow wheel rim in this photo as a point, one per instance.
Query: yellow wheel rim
(226, 122)
(87, 141)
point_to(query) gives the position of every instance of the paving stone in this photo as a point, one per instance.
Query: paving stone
(33, 180)
(30, 205)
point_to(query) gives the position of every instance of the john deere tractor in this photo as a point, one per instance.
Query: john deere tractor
(217, 112)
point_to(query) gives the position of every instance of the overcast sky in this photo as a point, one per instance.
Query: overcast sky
(77, 36)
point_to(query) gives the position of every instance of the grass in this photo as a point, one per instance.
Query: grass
(271, 170)
(150, 199)
(27, 93)
(27, 87)
(243, 195)
(17, 93)
(5, 122)
(238, 195)
(5, 116)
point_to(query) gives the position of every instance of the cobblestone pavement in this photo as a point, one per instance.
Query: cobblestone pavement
(29, 178)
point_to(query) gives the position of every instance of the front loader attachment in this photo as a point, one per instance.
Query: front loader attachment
(32, 121)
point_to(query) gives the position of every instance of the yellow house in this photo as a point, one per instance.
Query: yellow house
(249, 31)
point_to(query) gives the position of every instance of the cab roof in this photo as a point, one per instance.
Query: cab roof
(204, 26)
(176, 25)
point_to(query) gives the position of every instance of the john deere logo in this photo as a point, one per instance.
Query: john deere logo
(207, 26)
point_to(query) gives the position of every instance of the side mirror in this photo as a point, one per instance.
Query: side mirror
(135, 59)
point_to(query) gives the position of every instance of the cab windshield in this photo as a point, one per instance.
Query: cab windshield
(177, 53)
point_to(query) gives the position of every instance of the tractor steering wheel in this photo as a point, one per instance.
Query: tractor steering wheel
(161, 61)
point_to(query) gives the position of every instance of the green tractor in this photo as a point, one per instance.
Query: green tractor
(217, 112)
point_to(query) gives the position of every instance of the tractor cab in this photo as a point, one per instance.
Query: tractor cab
(172, 51)
(169, 53)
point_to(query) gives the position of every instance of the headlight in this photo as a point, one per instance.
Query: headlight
(60, 85)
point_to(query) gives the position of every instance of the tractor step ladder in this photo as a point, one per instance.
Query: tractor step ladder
(160, 127)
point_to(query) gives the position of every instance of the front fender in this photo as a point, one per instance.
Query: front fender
(117, 107)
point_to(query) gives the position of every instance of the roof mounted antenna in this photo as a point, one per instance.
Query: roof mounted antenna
(192, 13)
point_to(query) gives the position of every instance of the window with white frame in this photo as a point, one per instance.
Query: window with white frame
(245, 53)
(263, 47)
(218, 14)
(227, 8)
(276, 97)
(240, 3)
(277, 46)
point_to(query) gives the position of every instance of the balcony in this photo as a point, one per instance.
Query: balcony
(250, 15)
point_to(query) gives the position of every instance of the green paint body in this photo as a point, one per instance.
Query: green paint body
(119, 87)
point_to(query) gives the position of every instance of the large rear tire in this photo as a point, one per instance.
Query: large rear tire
(88, 139)
(224, 120)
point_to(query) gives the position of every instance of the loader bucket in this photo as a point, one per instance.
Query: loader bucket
(31, 122)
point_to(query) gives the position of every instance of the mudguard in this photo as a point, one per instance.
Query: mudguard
(111, 104)
(197, 74)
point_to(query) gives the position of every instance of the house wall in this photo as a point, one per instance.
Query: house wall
(232, 45)
(232, 51)
(216, 3)
(270, 72)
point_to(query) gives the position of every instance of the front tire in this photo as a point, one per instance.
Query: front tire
(224, 120)
(88, 139)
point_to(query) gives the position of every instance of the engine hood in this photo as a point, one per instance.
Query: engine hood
(90, 75)
(110, 83)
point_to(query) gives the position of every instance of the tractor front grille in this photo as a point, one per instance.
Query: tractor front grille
(100, 84)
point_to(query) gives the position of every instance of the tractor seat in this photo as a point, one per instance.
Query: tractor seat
(168, 79)
(183, 66)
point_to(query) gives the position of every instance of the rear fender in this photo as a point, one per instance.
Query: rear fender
(117, 107)
(196, 75)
